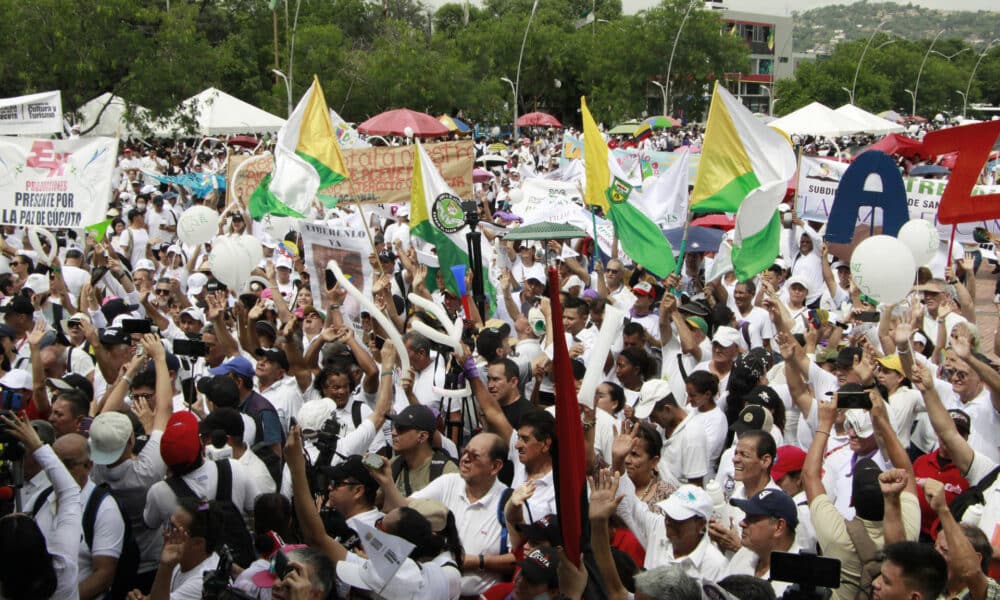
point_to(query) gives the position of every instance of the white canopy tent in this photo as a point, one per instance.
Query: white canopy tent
(817, 119)
(218, 113)
(873, 123)
(109, 123)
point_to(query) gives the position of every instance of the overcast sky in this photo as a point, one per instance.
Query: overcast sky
(785, 7)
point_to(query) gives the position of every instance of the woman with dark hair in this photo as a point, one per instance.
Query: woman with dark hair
(451, 555)
(31, 566)
(272, 529)
(638, 449)
(633, 367)
(610, 397)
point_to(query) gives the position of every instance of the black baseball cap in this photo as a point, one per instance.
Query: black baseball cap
(545, 529)
(415, 416)
(541, 566)
(19, 305)
(352, 469)
(769, 503)
(275, 355)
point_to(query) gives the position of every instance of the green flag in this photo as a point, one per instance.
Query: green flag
(639, 237)
(262, 202)
(99, 229)
(328, 200)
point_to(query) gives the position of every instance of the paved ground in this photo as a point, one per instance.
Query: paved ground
(986, 311)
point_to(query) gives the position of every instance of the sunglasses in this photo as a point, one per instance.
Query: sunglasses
(163, 292)
(955, 374)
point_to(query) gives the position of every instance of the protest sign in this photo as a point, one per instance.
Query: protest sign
(654, 163)
(560, 202)
(819, 179)
(349, 246)
(55, 183)
(31, 115)
(383, 174)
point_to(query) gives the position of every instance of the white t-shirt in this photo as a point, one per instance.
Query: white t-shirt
(543, 501)
(713, 427)
(187, 585)
(759, 327)
(286, 397)
(203, 481)
(684, 455)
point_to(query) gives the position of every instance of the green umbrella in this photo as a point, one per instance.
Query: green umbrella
(626, 128)
(546, 231)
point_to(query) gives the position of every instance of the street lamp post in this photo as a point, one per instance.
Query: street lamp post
(513, 90)
(670, 63)
(913, 111)
(857, 69)
(663, 92)
(972, 75)
(520, 57)
(916, 86)
(965, 101)
(770, 99)
(850, 93)
(288, 88)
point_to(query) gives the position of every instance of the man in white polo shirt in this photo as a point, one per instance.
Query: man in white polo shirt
(475, 497)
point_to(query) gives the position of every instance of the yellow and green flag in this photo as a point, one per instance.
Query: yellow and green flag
(744, 169)
(307, 159)
(608, 188)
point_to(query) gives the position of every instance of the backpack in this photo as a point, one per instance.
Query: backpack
(868, 552)
(501, 518)
(976, 494)
(438, 460)
(274, 463)
(234, 529)
(128, 561)
(356, 414)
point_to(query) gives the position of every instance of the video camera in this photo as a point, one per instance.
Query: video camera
(812, 576)
(217, 584)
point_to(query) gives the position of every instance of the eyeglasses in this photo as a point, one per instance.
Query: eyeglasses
(73, 324)
(163, 292)
(612, 271)
(337, 484)
(955, 374)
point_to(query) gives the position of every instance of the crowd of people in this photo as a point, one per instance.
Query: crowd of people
(167, 437)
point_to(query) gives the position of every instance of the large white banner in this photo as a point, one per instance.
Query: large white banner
(561, 202)
(349, 246)
(55, 183)
(34, 114)
(820, 177)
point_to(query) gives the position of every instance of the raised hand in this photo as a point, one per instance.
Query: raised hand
(521, 494)
(893, 481)
(153, 346)
(604, 498)
(934, 493)
(37, 333)
(902, 334)
(961, 346)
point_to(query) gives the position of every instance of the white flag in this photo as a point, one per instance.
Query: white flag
(665, 199)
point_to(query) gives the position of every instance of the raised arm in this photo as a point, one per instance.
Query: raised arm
(893, 482)
(603, 503)
(310, 523)
(795, 375)
(959, 450)
(812, 468)
(39, 393)
(489, 406)
(989, 375)
(164, 387)
(963, 561)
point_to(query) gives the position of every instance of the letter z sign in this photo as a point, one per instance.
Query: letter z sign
(973, 144)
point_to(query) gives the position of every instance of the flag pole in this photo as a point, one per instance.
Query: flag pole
(593, 218)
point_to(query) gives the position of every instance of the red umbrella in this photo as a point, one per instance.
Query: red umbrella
(718, 221)
(396, 122)
(538, 119)
(246, 141)
(898, 144)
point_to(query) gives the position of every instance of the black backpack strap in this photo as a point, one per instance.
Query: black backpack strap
(356, 414)
(504, 497)
(40, 500)
(180, 488)
(90, 513)
(439, 459)
(224, 485)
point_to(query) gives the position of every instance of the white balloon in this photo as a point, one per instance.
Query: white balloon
(408, 132)
(197, 225)
(253, 249)
(231, 262)
(883, 268)
(516, 195)
(922, 238)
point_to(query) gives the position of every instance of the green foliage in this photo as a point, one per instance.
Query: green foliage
(370, 56)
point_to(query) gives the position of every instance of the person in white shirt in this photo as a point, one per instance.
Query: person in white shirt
(181, 450)
(753, 321)
(706, 417)
(677, 536)
(769, 524)
(684, 457)
(135, 239)
(473, 495)
(35, 566)
(189, 551)
(284, 391)
(223, 427)
(98, 560)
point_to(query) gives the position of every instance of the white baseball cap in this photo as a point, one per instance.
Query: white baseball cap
(726, 336)
(650, 393)
(109, 434)
(687, 502)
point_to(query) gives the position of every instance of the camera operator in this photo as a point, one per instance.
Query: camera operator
(190, 541)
